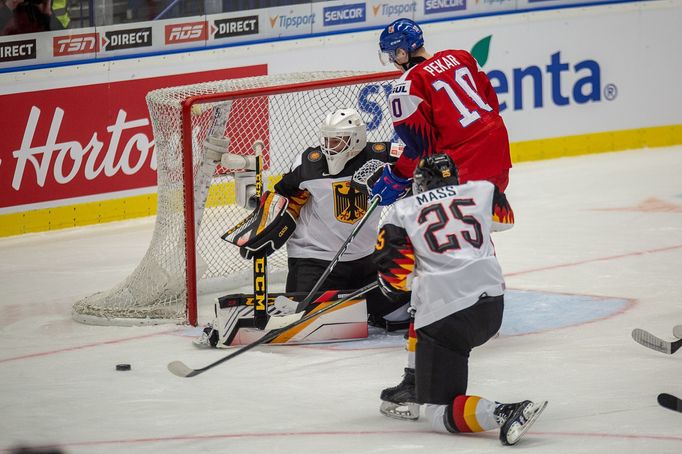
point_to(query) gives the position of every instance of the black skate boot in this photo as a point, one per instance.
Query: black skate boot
(209, 337)
(400, 401)
(515, 419)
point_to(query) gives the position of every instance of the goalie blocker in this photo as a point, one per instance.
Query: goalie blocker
(266, 229)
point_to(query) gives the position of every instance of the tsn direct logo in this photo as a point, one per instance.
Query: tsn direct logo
(186, 32)
(85, 43)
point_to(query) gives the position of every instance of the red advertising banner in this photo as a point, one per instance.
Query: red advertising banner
(84, 140)
(86, 43)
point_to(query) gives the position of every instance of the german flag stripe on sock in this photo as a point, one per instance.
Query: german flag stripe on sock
(464, 414)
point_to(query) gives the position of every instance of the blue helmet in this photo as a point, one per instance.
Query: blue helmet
(400, 34)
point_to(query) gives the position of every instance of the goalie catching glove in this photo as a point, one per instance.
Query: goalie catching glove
(266, 229)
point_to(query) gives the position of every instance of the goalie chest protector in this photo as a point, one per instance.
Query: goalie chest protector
(332, 207)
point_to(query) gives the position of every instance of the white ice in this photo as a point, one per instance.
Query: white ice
(606, 226)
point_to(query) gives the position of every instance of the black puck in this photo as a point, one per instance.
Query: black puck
(122, 366)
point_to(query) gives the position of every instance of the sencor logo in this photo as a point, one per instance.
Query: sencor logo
(286, 22)
(185, 33)
(85, 43)
(443, 6)
(345, 14)
(388, 10)
(18, 50)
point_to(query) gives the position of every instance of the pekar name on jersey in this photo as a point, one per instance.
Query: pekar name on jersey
(436, 194)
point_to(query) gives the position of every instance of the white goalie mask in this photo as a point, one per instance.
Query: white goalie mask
(343, 135)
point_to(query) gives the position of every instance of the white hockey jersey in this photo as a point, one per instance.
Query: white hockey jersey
(446, 235)
(328, 207)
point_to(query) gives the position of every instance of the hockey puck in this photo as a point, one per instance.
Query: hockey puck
(122, 366)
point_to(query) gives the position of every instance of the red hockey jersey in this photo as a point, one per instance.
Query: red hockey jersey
(446, 104)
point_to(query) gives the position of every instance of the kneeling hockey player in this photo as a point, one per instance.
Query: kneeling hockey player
(435, 248)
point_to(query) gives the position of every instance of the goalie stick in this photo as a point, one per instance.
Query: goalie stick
(181, 370)
(670, 402)
(260, 260)
(647, 339)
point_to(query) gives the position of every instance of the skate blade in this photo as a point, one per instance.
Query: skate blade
(405, 412)
(531, 413)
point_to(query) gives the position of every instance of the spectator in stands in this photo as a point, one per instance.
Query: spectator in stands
(30, 16)
(59, 17)
(7, 8)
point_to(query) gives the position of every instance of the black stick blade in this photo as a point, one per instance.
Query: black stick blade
(670, 402)
(181, 370)
(649, 340)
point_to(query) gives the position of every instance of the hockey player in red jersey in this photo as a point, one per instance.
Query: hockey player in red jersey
(434, 248)
(442, 102)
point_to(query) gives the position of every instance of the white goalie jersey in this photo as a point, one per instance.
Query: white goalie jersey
(328, 206)
(437, 244)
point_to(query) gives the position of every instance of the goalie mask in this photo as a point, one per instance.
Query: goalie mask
(343, 135)
(433, 172)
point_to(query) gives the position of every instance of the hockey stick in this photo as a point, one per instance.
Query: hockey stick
(670, 402)
(260, 260)
(360, 178)
(655, 343)
(181, 370)
(308, 299)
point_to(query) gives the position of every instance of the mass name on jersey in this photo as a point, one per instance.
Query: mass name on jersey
(442, 64)
(436, 194)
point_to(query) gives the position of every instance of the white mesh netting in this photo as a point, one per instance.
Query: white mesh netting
(286, 119)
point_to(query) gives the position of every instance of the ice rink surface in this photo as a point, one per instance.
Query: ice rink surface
(596, 252)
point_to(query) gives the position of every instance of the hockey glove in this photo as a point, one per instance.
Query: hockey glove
(388, 186)
(393, 294)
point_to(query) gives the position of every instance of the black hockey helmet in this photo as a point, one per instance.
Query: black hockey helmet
(433, 172)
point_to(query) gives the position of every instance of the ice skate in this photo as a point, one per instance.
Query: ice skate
(400, 401)
(516, 419)
(208, 338)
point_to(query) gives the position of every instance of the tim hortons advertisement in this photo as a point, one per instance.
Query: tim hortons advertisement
(87, 140)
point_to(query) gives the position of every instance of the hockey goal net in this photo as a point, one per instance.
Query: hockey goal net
(196, 197)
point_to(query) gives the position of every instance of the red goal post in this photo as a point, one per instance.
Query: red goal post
(197, 197)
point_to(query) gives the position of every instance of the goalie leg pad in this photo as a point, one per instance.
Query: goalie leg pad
(228, 320)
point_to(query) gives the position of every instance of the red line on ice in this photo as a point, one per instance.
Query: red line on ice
(80, 347)
(598, 259)
(347, 433)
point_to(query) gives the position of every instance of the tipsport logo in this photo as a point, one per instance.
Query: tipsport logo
(284, 22)
(344, 14)
(388, 10)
